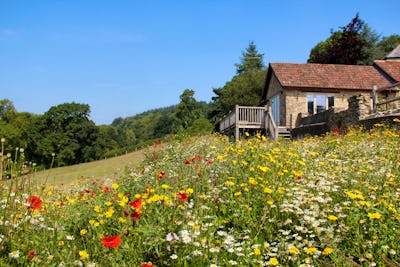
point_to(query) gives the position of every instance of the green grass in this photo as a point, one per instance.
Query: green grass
(68, 176)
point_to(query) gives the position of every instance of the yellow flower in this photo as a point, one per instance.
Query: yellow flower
(274, 261)
(297, 173)
(263, 168)
(375, 215)
(123, 201)
(189, 191)
(327, 251)
(121, 219)
(165, 186)
(252, 181)
(267, 190)
(257, 251)
(311, 250)
(293, 250)
(396, 120)
(109, 212)
(83, 231)
(60, 243)
(97, 209)
(83, 254)
(332, 217)
(238, 194)
(229, 183)
(115, 186)
(108, 203)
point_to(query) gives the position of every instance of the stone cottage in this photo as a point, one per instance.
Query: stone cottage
(308, 89)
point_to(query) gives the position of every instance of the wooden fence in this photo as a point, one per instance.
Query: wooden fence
(375, 101)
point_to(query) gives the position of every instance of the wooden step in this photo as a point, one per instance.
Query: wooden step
(283, 132)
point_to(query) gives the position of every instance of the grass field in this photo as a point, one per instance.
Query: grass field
(68, 176)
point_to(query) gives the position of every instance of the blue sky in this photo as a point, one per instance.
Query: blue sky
(125, 57)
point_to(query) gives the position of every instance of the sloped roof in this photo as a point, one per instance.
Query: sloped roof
(390, 68)
(394, 54)
(352, 77)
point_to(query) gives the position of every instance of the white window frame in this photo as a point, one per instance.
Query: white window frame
(314, 95)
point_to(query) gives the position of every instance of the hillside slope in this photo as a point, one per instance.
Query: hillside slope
(95, 170)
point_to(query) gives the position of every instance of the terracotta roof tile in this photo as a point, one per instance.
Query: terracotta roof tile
(328, 76)
(391, 68)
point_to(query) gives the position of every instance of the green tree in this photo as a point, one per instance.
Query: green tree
(188, 109)
(200, 126)
(250, 61)
(386, 45)
(166, 124)
(67, 131)
(353, 44)
(7, 110)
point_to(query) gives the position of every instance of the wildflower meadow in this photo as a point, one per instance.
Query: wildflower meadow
(331, 200)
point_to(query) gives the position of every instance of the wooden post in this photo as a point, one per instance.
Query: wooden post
(236, 122)
(374, 99)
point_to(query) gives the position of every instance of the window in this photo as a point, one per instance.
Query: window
(319, 102)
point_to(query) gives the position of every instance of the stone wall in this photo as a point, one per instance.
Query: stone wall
(359, 107)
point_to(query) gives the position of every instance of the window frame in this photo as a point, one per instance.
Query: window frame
(329, 102)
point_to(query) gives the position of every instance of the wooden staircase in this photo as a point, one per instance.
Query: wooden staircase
(284, 132)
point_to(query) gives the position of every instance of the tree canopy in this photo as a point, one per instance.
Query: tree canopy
(251, 60)
(352, 44)
(66, 131)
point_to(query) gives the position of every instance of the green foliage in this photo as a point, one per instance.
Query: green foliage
(7, 110)
(200, 126)
(188, 110)
(386, 45)
(251, 60)
(244, 89)
(67, 131)
(353, 44)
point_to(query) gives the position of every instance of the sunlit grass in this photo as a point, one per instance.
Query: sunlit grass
(320, 201)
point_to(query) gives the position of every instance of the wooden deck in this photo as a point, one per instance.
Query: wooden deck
(245, 117)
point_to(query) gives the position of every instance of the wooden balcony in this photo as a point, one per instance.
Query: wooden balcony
(245, 117)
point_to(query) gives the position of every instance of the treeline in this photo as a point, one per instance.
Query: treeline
(65, 135)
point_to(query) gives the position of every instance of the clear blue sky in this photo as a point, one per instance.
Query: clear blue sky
(125, 57)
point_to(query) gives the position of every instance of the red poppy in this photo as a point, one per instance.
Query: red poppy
(161, 175)
(209, 161)
(197, 158)
(335, 130)
(106, 189)
(31, 254)
(181, 196)
(136, 204)
(112, 241)
(147, 264)
(35, 202)
(187, 162)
